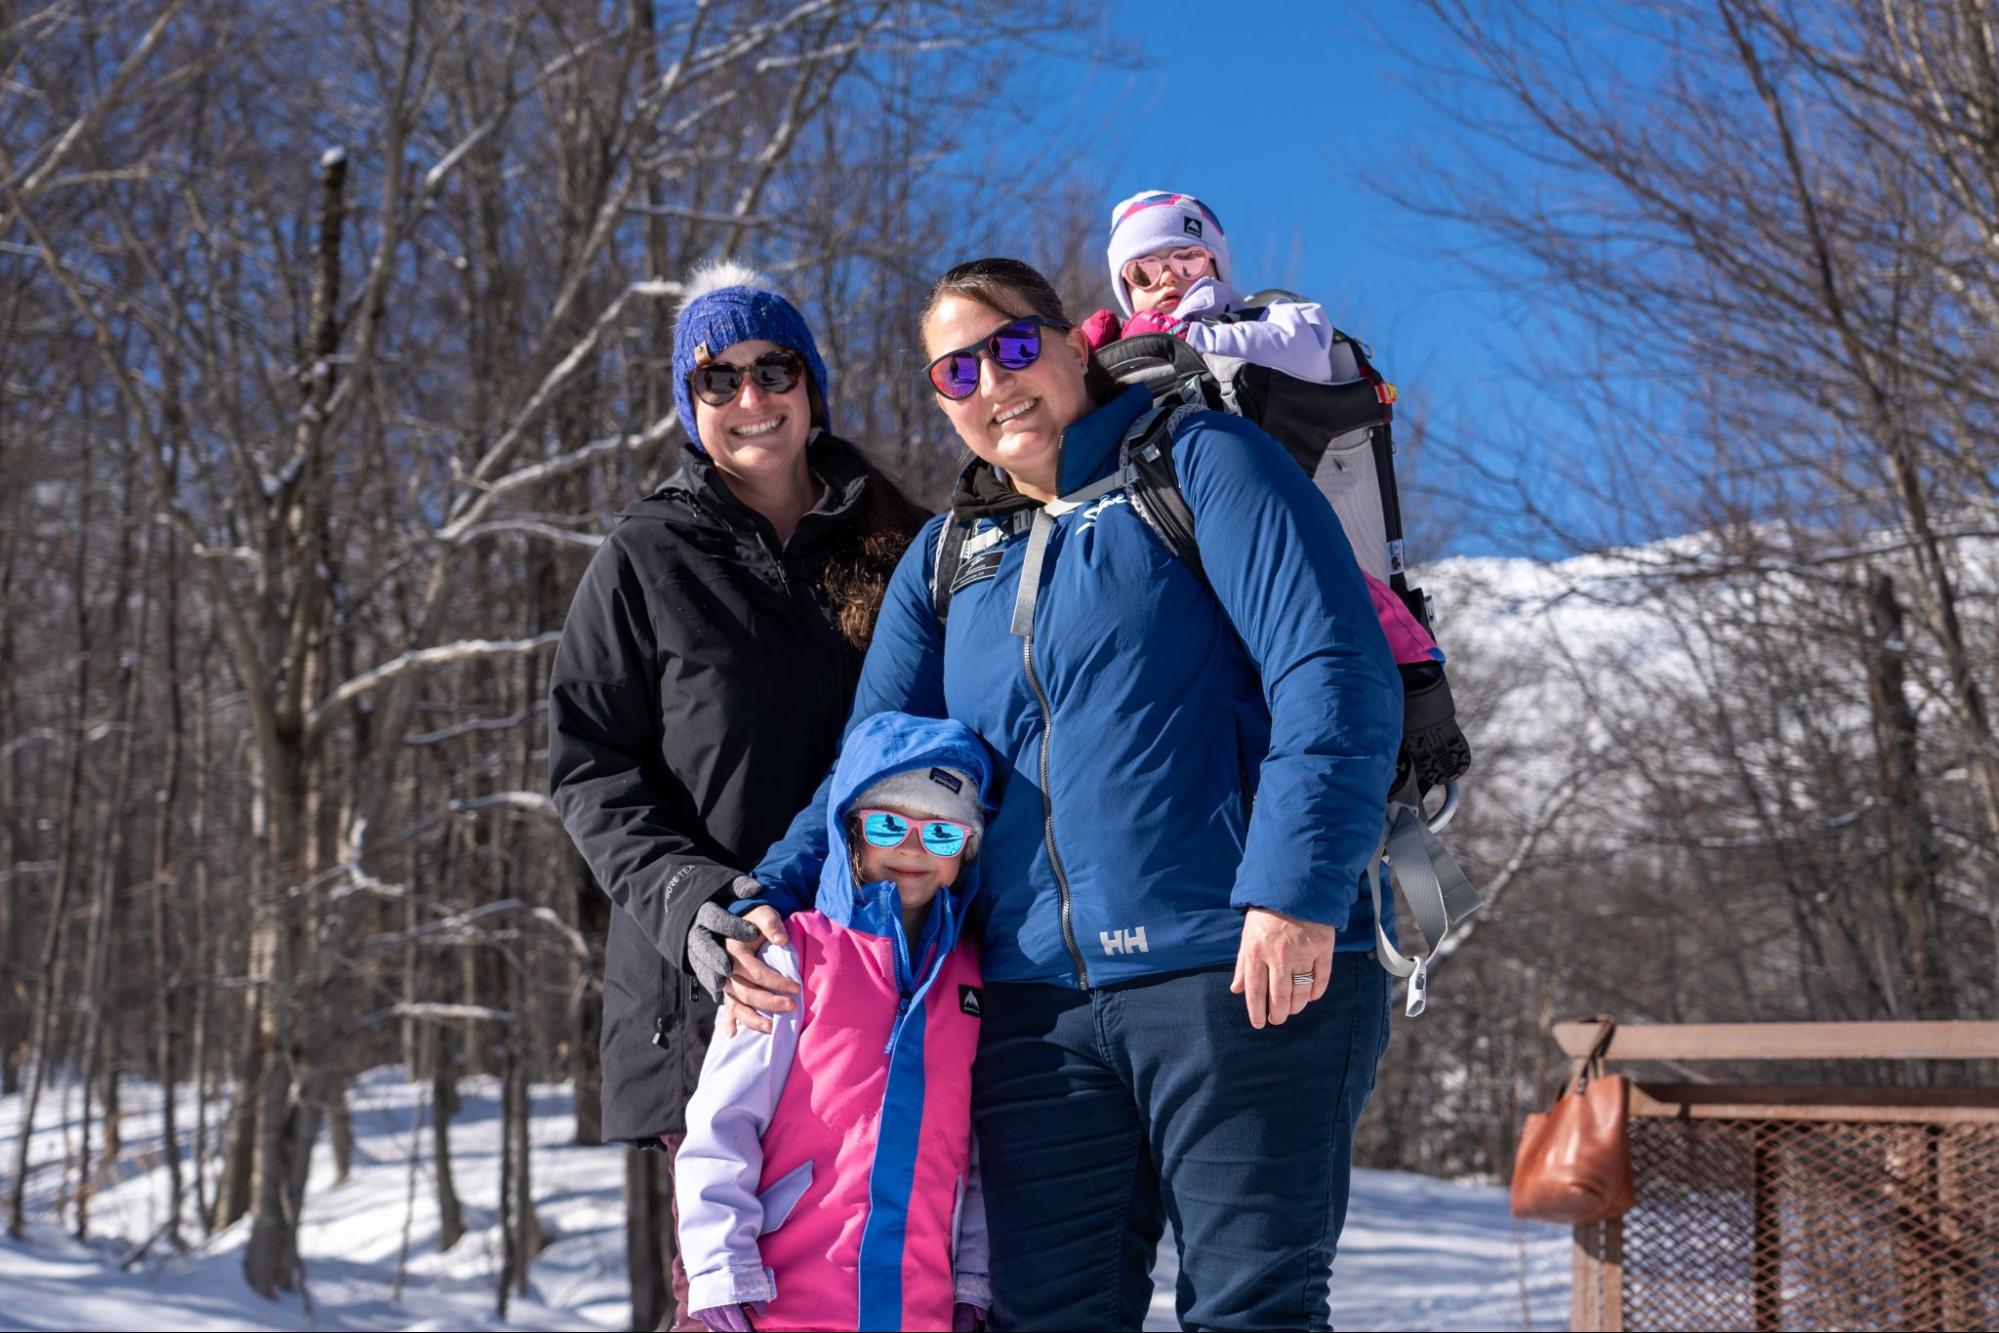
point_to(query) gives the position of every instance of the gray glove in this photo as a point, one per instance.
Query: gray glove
(707, 939)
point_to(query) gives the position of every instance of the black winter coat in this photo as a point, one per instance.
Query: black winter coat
(696, 702)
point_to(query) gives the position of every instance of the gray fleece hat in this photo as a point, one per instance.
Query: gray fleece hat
(938, 793)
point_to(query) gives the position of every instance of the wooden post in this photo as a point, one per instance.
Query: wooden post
(1582, 1282)
(1960, 1307)
(1912, 1175)
(1612, 1313)
(1766, 1255)
(1596, 1290)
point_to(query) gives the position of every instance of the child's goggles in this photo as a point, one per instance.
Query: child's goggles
(1015, 345)
(886, 828)
(717, 383)
(1189, 262)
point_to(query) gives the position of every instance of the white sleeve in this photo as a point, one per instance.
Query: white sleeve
(1293, 336)
(969, 1260)
(716, 1173)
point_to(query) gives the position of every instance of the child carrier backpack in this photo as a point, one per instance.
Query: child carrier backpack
(1339, 433)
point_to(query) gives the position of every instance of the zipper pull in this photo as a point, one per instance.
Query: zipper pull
(659, 1033)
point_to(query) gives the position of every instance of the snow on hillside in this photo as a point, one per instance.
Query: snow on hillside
(1418, 1253)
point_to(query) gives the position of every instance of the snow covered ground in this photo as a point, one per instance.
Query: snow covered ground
(1418, 1253)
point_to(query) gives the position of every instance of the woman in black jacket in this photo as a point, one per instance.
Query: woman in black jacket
(706, 667)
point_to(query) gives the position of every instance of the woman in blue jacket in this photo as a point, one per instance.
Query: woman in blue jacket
(1196, 764)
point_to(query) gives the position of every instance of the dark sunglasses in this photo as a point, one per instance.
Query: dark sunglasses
(1015, 345)
(886, 828)
(717, 383)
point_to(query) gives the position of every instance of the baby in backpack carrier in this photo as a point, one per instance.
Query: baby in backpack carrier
(829, 1179)
(1171, 272)
(1170, 269)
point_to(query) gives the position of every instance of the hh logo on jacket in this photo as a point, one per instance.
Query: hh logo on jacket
(1123, 941)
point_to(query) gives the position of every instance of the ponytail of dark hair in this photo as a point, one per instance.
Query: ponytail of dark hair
(854, 578)
(1005, 285)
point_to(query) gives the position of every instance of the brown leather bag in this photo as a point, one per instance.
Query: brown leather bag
(1574, 1160)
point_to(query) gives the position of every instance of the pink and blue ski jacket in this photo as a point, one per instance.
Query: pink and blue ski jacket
(828, 1175)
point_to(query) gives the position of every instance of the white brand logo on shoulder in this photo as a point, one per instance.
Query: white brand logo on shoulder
(1123, 941)
(1089, 518)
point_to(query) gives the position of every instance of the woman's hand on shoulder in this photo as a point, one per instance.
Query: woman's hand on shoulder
(755, 990)
(1277, 953)
(722, 953)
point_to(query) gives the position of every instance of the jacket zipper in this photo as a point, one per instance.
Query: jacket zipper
(1048, 813)
(776, 559)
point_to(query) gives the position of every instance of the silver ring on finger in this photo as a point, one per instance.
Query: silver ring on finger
(1302, 979)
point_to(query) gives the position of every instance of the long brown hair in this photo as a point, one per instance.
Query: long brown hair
(855, 575)
(1006, 285)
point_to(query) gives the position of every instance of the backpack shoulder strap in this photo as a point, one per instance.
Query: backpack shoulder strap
(1152, 482)
(1145, 465)
(944, 567)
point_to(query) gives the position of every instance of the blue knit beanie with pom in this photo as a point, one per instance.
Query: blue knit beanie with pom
(727, 303)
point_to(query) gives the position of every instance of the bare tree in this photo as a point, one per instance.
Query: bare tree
(364, 311)
(1769, 225)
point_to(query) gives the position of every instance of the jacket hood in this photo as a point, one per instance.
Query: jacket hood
(882, 746)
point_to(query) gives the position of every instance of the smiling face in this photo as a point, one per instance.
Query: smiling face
(1015, 418)
(758, 435)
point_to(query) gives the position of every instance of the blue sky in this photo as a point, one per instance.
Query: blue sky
(1278, 116)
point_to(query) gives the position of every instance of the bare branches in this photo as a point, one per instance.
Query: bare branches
(376, 677)
(40, 174)
(363, 310)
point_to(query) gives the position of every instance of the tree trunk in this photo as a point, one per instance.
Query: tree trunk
(102, 942)
(443, 1101)
(206, 958)
(239, 1135)
(1912, 842)
(15, 837)
(288, 1104)
(166, 999)
(648, 1240)
(340, 1130)
(65, 876)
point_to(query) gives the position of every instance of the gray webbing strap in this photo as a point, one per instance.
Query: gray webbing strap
(1435, 887)
(1037, 547)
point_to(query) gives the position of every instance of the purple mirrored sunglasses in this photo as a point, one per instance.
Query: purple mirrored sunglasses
(1016, 345)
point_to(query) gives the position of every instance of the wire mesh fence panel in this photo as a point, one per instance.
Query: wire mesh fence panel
(1773, 1223)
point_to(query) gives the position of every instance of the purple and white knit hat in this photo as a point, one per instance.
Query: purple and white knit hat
(1157, 220)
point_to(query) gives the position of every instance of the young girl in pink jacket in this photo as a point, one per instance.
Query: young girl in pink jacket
(829, 1179)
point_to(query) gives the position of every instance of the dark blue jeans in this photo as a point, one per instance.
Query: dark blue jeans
(1101, 1114)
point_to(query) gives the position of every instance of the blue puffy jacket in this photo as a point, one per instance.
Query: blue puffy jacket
(1164, 770)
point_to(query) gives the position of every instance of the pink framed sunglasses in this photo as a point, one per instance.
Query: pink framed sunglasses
(1188, 262)
(886, 828)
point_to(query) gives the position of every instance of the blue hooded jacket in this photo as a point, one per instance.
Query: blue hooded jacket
(1174, 748)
